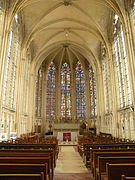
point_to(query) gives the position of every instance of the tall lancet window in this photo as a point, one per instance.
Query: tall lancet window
(51, 92)
(93, 99)
(65, 91)
(13, 50)
(80, 91)
(121, 65)
(133, 13)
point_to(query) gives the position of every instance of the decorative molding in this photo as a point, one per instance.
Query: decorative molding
(67, 2)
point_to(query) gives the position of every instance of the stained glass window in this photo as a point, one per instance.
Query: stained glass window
(80, 91)
(93, 107)
(65, 91)
(51, 92)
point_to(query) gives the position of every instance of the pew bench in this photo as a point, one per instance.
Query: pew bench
(29, 160)
(32, 154)
(108, 154)
(92, 151)
(114, 171)
(51, 152)
(24, 169)
(123, 177)
(102, 161)
(87, 148)
(22, 176)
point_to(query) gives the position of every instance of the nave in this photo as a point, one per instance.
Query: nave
(70, 165)
(41, 158)
(67, 74)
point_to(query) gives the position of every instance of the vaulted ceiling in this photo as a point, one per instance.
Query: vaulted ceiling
(72, 29)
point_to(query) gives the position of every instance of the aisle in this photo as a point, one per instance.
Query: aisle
(70, 166)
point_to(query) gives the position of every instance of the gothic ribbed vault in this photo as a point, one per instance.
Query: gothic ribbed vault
(81, 22)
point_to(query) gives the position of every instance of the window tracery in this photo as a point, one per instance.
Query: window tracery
(121, 65)
(80, 92)
(65, 92)
(11, 67)
(51, 92)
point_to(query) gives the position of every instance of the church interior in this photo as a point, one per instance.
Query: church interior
(67, 92)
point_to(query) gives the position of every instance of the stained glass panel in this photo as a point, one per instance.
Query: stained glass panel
(80, 92)
(65, 91)
(51, 92)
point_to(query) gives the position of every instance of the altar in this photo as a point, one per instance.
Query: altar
(66, 132)
(67, 136)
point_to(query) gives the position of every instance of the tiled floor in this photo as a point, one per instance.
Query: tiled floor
(70, 166)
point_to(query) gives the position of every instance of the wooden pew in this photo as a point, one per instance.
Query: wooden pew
(88, 147)
(123, 177)
(51, 147)
(109, 154)
(92, 151)
(102, 161)
(114, 171)
(31, 154)
(29, 160)
(50, 152)
(22, 176)
(27, 146)
(23, 169)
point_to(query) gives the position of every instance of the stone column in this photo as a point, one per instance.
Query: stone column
(58, 95)
(73, 95)
(87, 90)
(43, 112)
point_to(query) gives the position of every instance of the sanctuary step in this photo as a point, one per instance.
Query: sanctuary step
(67, 143)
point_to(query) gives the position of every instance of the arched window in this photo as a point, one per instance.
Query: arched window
(132, 19)
(80, 91)
(11, 66)
(93, 99)
(65, 91)
(133, 13)
(51, 92)
(39, 82)
(121, 65)
(2, 14)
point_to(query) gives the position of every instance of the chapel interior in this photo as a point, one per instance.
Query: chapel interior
(67, 71)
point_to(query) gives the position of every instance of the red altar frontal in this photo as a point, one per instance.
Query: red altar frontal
(67, 136)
